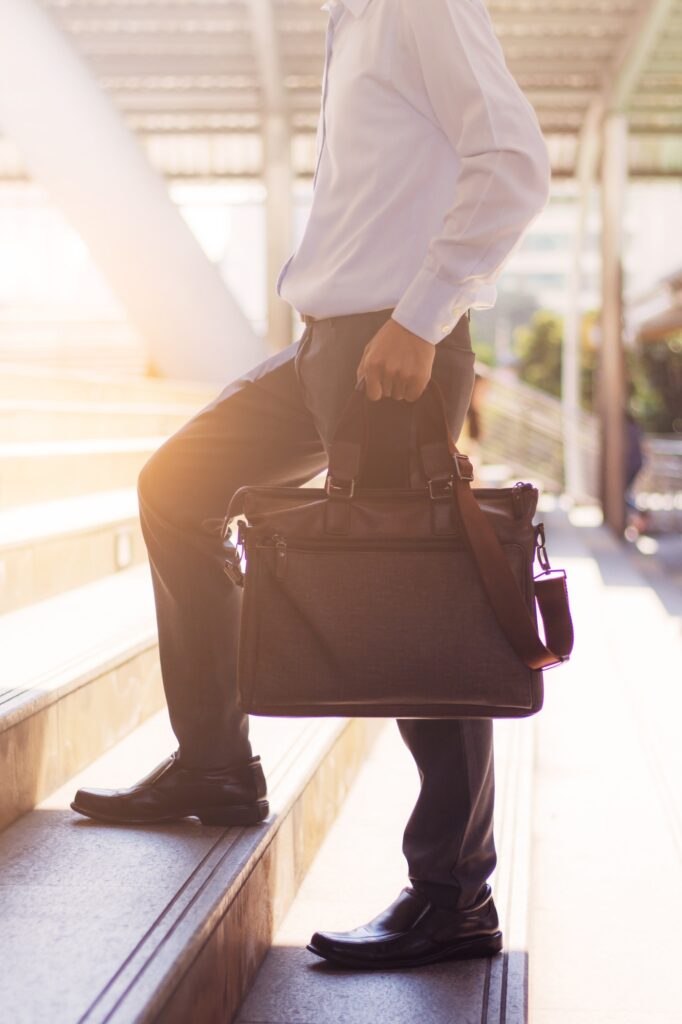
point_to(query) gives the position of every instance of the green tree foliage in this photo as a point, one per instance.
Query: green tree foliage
(654, 369)
(538, 347)
(655, 372)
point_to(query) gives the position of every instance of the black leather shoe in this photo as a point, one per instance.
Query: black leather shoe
(230, 796)
(414, 932)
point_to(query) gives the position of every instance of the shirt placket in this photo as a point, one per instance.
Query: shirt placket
(335, 12)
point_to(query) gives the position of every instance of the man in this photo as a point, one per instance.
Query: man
(430, 167)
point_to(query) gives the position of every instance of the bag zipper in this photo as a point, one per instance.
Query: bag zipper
(383, 492)
(281, 546)
(308, 494)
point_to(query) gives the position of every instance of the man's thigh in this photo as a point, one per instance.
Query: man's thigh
(257, 431)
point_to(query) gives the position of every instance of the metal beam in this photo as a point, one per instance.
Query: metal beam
(611, 372)
(634, 59)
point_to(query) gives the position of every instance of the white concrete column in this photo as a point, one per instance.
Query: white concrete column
(574, 483)
(279, 184)
(278, 173)
(585, 173)
(612, 389)
(76, 145)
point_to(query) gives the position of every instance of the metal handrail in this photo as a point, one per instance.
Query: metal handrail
(524, 428)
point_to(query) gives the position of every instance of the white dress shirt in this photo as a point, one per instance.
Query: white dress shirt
(430, 167)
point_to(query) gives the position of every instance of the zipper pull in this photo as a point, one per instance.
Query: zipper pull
(241, 538)
(517, 498)
(232, 566)
(280, 556)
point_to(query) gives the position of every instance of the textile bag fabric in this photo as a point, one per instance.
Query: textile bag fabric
(367, 602)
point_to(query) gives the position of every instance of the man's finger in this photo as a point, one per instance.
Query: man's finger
(373, 385)
(398, 389)
(387, 381)
(414, 389)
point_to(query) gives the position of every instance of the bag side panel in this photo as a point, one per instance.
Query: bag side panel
(387, 630)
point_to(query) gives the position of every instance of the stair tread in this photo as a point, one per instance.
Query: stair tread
(62, 516)
(363, 844)
(30, 371)
(88, 446)
(133, 406)
(55, 645)
(94, 915)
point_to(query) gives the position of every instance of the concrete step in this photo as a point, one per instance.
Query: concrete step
(48, 340)
(165, 923)
(32, 383)
(77, 672)
(363, 849)
(54, 546)
(46, 470)
(56, 420)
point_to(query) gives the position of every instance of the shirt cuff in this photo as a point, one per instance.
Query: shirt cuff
(431, 307)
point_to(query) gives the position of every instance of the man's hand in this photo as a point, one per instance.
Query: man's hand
(396, 364)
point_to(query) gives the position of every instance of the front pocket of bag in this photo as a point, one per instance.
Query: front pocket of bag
(358, 624)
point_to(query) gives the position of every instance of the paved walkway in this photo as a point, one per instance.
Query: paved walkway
(603, 906)
(606, 892)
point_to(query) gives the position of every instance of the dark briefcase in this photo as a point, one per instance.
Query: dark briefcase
(395, 603)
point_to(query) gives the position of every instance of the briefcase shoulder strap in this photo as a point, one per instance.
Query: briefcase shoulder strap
(504, 593)
(442, 461)
(448, 471)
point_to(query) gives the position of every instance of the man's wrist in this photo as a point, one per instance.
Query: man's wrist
(431, 307)
(408, 333)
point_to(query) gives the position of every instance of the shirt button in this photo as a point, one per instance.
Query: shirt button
(446, 328)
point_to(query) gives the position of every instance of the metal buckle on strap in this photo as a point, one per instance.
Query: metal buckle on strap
(561, 659)
(440, 488)
(550, 572)
(540, 541)
(464, 467)
(339, 488)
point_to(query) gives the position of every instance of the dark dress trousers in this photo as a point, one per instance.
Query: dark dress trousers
(272, 427)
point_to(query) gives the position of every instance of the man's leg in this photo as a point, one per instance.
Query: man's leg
(448, 842)
(257, 431)
(448, 913)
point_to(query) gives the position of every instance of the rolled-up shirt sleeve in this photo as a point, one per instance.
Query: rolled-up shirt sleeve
(504, 175)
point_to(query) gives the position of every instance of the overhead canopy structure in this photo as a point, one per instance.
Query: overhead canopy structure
(194, 78)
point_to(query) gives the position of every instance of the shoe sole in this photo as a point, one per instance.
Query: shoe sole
(486, 946)
(240, 814)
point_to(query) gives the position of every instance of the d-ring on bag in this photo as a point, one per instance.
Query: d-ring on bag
(395, 603)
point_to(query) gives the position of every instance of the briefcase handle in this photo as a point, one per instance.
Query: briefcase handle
(348, 445)
(448, 474)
